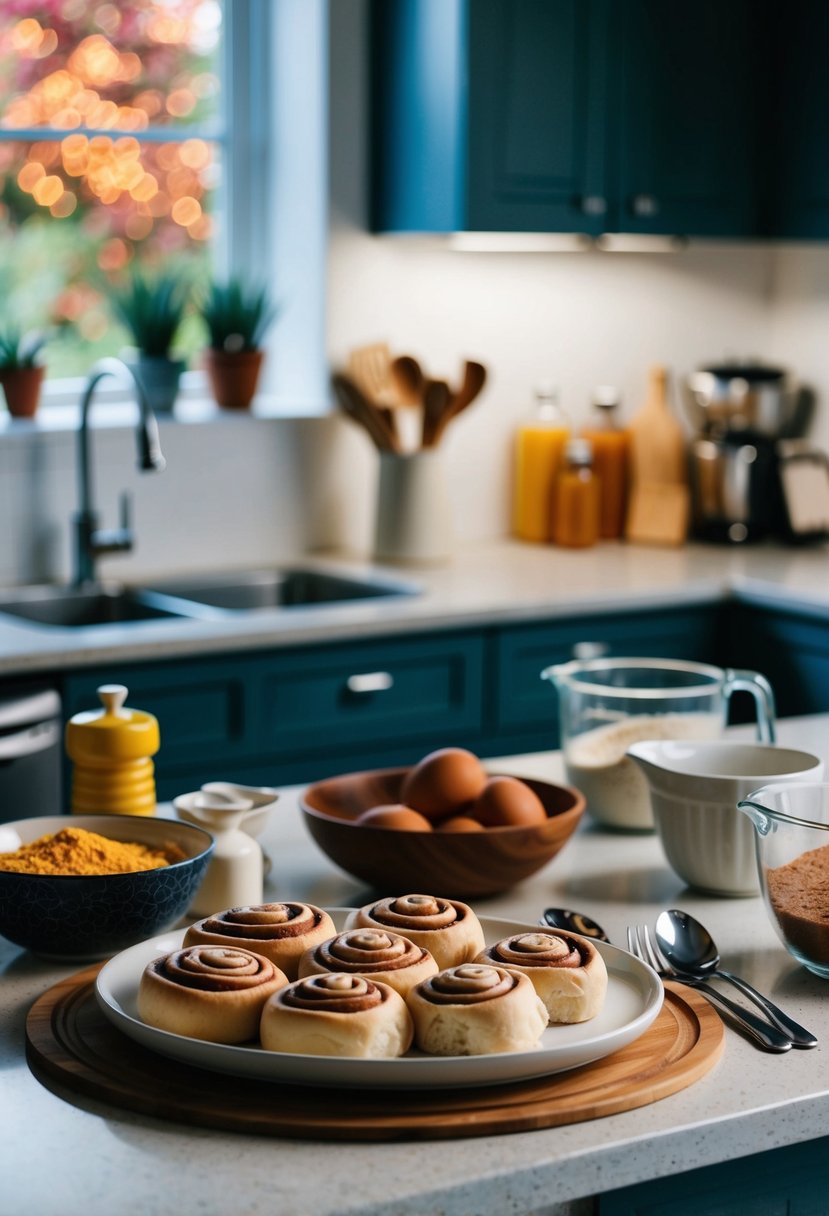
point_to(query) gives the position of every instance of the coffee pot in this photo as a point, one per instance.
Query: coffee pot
(742, 412)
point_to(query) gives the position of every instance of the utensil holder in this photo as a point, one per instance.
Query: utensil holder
(413, 522)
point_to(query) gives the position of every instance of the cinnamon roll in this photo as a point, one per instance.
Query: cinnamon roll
(282, 932)
(447, 928)
(377, 954)
(567, 971)
(476, 1009)
(214, 993)
(334, 1014)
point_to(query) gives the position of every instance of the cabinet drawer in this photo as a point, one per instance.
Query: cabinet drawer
(356, 695)
(200, 706)
(524, 699)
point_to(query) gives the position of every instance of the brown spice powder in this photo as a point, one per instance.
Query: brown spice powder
(799, 896)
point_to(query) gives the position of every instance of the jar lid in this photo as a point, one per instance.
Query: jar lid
(115, 732)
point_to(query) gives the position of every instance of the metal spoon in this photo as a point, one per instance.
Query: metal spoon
(576, 922)
(690, 950)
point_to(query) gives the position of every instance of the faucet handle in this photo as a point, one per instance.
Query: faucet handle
(125, 509)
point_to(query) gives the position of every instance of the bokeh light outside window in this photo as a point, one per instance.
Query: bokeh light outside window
(110, 141)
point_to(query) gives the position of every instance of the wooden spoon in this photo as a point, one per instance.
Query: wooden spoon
(436, 402)
(407, 376)
(372, 419)
(474, 379)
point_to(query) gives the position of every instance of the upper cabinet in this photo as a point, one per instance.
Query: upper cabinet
(586, 116)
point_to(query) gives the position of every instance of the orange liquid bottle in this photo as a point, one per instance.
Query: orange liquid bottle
(539, 447)
(611, 461)
(577, 508)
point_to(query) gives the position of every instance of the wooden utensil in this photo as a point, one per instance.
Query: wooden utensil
(437, 400)
(659, 506)
(370, 369)
(407, 376)
(362, 411)
(474, 379)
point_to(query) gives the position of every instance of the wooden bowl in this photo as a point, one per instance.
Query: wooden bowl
(455, 865)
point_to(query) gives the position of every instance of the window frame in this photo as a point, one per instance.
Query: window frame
(274, 66)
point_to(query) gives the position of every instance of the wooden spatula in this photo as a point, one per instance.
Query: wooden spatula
(357, 406)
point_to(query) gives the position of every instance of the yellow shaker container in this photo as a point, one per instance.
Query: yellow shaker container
(111, 749)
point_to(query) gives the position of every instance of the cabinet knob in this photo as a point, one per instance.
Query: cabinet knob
(591, 650)
(644, 205)
(370, 681)
(593, 204)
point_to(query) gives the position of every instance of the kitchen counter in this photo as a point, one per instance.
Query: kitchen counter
(484, 584)
(84, 1158)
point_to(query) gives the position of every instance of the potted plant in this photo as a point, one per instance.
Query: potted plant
(153, 310)
(237, 318)
(21, 370)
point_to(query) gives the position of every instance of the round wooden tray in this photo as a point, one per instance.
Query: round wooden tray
(72, 1047)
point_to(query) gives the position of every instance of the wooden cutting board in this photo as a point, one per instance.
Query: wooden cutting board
(659, 504)
(72, 1049)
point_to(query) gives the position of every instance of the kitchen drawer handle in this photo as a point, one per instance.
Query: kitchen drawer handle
(370, 681)
(645, 205)
(593, 204)
(37, 738)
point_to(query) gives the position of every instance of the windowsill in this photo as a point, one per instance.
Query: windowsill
(59, 411)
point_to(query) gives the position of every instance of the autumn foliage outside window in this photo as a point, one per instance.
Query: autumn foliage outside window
(109, 157)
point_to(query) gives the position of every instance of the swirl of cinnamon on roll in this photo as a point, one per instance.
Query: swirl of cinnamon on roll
(377, 953)
(567, 970)
(215, 993)
(476, 1009)
(280, 931)
(447, 928)
(334, 1014)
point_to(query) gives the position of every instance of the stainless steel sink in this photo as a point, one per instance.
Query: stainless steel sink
(71, 607)
(266, 589)
(210, 597)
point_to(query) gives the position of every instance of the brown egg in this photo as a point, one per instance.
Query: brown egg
(508, 802)
(397, 816)
(459, 823)
(443, 781)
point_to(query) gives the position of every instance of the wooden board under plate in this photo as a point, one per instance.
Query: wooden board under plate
(72, 1048)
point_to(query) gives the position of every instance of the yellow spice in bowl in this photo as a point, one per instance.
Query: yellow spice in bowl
(77, 851)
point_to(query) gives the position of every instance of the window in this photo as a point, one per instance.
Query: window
(183, 133)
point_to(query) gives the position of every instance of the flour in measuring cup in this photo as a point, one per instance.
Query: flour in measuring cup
(616, 789)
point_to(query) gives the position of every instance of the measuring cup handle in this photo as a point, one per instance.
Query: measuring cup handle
(752, 682)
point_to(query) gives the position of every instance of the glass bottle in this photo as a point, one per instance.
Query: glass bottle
(539, 446)
(575, 523)
(611, 460)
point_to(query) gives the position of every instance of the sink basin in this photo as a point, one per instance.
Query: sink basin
(203, 598)
(265, 589)
(71, 607)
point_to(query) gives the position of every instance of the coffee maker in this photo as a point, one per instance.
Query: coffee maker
(742, 412)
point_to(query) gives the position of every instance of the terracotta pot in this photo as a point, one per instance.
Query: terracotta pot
(234, 376)
(22, 388)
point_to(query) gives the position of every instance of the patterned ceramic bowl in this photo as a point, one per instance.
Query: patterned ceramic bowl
(84, 917)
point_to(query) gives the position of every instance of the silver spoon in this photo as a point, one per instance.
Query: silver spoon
(576, 922)
(690, 950)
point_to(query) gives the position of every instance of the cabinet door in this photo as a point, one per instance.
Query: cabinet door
(689, 87)
(799, 169)
(536, 122)
(525, 700)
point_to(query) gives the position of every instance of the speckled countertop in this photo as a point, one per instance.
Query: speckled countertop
(79, 1158)
(483, 584)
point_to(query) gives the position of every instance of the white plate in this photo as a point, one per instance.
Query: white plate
(634, 998)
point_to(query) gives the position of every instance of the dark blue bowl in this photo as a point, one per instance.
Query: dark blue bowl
(84, 917)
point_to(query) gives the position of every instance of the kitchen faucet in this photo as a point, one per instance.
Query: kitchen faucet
(90, 540)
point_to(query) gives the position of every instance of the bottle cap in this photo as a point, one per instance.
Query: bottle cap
(115, 732)
(607, 397)
(579, 451)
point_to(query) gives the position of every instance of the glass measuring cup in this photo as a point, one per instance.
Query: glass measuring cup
(605, 705)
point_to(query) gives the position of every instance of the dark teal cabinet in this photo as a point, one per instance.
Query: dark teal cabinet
(296, 714)
(578, 116)
(797, 167)
(791, 649)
